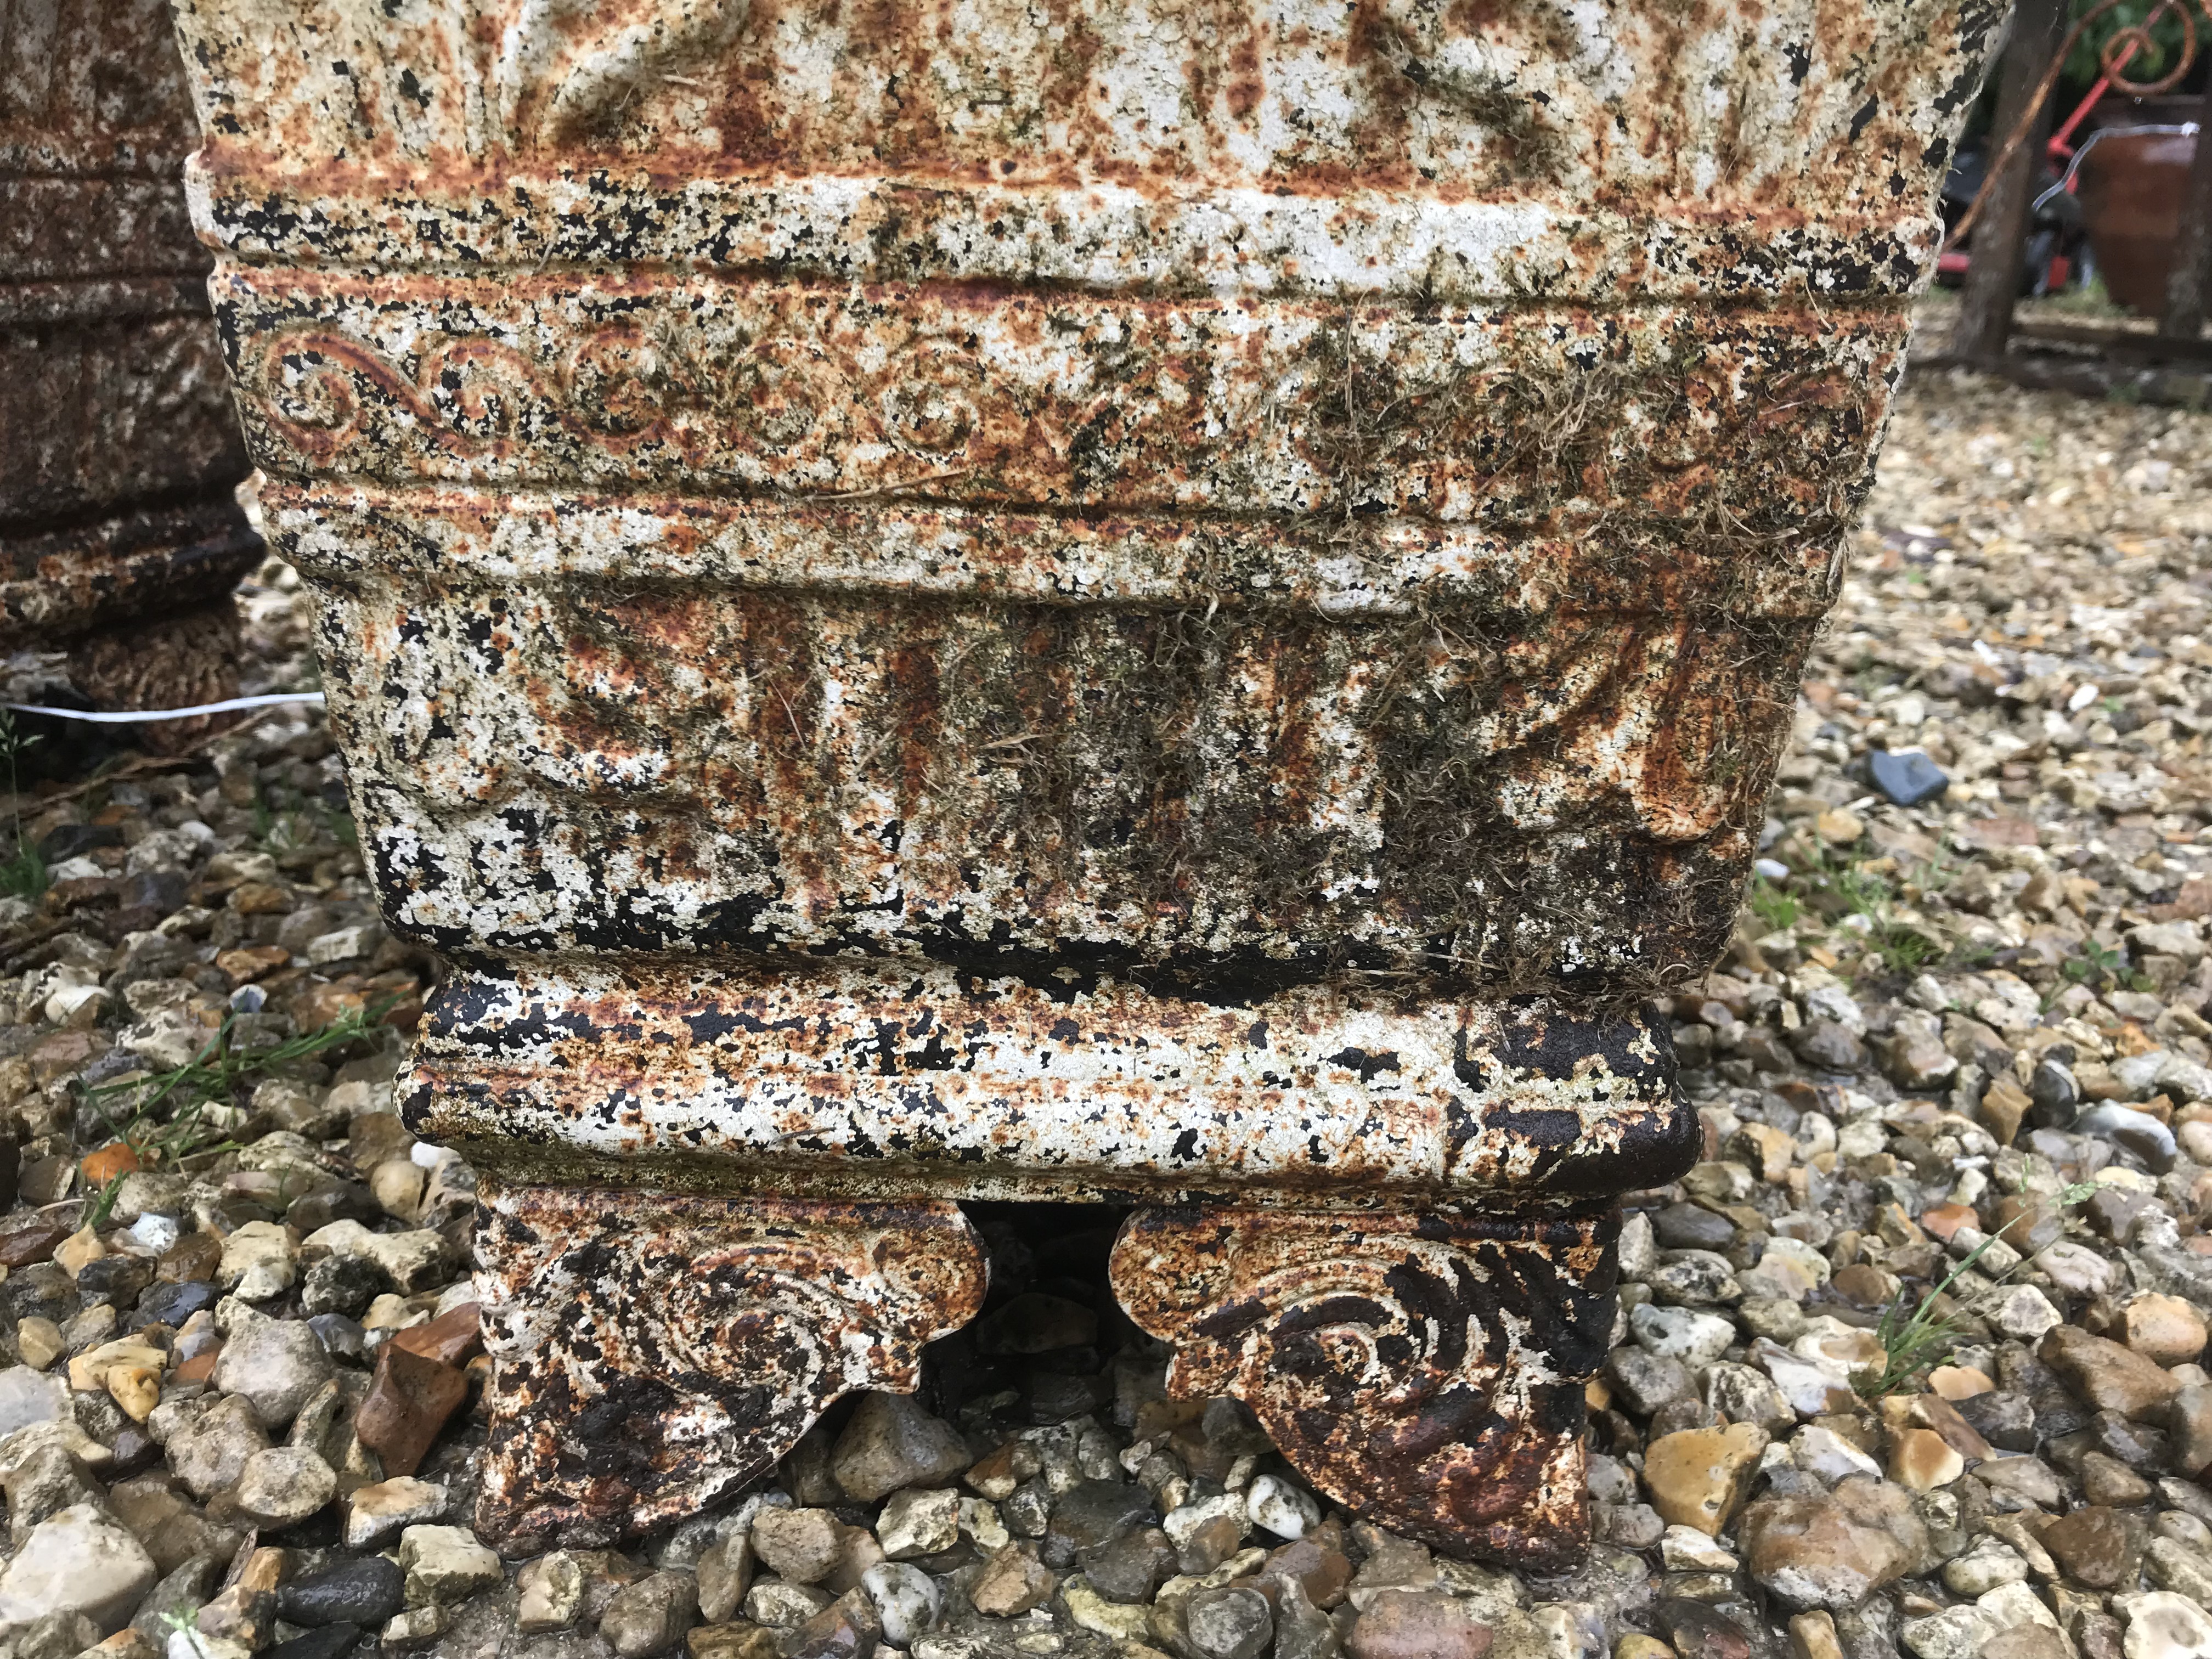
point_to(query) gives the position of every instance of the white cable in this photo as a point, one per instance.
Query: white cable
(132, 717)
(2187, 129)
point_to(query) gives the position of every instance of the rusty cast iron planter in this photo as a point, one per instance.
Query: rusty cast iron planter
(118, 447)
(1170, 602)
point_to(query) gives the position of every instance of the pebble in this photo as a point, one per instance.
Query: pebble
(408, 1261)
(445, 1564)
(1132, 1567)
(330, 1642)
(1695, 1337)
(1907, 776)
(1303, 1630)
(1095, 1512)
(1829, 1551)
(2026, 1315)
(799, 1546)
(1921, 1461)
(2107, 1375)
(1088, 1610)
(1987, 1565)
(39, 1341)
(2189, 1420)
(28, 1397)
(77, 1560)
(651, 1616)
(918, 1521)
(2137, 1132)
(260, 1260)
(1685, 1549)
(1698, 1477)
(415, 1626)
(549, 1593)
(366, 1591)
(724, 1572)
(906, 1599)
(1013, 1582)
(1232, 1622)
(375, 1511)
(283, 1486)
(2094, 1544)
(731, 1641)
(272, 1365)
(1417, 1624)
(408, 1402)
(891, 1442)
(2167, 1330)
(1647, 1381)
(846, 1626)
(210, 1450)
(1276, 1505)
(2163, 1626)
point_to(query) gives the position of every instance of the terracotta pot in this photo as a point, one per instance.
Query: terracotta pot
(2132, 186)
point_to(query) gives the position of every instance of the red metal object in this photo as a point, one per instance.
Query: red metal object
(2061, 147)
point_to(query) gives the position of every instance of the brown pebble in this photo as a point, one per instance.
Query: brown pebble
(452, 1339)
(1322, 1573)
(737, 1640)
(2095, 1546)
(27, 1246)
(118, 1158)
(407, 1405)
(1013, 1582)
(2108, 1376)
(195, 1256)
(1417, 1624)
(1864, 1286)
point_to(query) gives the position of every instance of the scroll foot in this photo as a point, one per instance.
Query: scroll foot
(1426, 1371)
(652, 1353)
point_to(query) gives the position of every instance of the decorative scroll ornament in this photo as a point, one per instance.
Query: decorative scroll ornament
(652, 1353)
(1425, 1371)
(564, 71)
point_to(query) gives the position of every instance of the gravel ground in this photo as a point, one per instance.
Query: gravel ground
(1960, 1040)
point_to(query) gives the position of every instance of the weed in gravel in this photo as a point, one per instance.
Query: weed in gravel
(1861, 895)
(288, 821)
(1912, 1342)
(24, 872)
(1775, 906)
(169, 1116)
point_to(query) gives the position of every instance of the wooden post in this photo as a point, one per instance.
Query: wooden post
(1993, 273)
(2187, 283)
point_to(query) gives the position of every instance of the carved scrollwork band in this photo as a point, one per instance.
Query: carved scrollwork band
(652, 1353)
(732, 386)
(1426, 1371)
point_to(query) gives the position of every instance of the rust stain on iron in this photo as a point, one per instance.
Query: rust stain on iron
(1156, 745)
(1162, 601)
(832, 1082)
